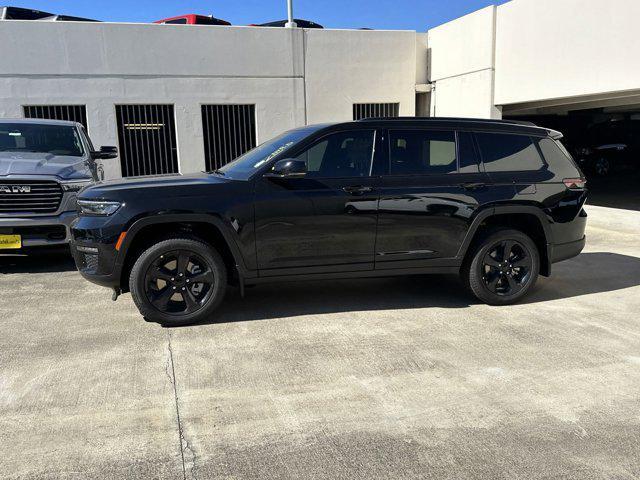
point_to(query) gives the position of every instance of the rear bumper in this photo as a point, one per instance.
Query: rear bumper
(40, 231)
(565, 251)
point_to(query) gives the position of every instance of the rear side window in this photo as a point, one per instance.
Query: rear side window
(560, 163)
(422, 152)
(508, 153)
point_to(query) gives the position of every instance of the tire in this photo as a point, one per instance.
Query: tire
(162, 269)
(495, 280)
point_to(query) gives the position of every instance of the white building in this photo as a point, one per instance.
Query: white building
(182, 98)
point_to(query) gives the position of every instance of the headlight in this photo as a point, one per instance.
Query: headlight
(75, 186)
(98, 207)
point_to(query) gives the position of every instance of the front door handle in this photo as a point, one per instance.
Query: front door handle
(357, 189)
(472, 186)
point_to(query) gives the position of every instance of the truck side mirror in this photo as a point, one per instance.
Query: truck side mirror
(105, 153)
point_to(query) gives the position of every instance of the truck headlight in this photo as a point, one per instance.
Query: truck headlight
(76, 185)
(98, 207)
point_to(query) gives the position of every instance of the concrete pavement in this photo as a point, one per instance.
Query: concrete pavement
(381, 378)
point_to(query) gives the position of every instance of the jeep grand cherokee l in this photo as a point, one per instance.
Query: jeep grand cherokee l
(43, 164)
(497, 202)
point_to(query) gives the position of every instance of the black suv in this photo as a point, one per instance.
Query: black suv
(496, 201)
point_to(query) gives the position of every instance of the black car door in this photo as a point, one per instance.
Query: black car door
(324, 220)
(428, 196)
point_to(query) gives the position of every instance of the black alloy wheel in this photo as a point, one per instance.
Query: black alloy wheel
(503, 266)
(178, 281)
(507, 266)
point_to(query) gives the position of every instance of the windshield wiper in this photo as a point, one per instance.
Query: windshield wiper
(219, 172)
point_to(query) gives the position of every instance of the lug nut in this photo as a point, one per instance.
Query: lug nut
(183, 289)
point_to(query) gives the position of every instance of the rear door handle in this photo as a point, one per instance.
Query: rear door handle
(472, 186)
(357, 189)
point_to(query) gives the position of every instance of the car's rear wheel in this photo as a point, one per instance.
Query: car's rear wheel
(178, 281)
(503, 268)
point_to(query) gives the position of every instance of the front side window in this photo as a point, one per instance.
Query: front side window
(340, 155)
(422, 152)
(503, 152)
(60, 140)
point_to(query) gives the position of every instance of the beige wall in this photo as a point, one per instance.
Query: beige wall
(549, 49)
(462, 66)
(293, 76)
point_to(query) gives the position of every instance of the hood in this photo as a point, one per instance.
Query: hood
(33, 163)
(154, 186)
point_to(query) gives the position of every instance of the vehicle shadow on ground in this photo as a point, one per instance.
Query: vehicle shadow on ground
(590, 273)
(40, 262)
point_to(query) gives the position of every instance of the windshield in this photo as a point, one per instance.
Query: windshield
(246, 165)
(33, 137)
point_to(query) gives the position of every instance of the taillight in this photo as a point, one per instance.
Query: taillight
(575, 183)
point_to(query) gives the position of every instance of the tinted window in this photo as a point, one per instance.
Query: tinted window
(30, 137)
(177, 21)
(422, 152)
(344, 154)
(507, 153)
(468, 156)
(560, 163)
(246, 165)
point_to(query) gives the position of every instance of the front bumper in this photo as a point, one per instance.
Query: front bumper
(40, 231)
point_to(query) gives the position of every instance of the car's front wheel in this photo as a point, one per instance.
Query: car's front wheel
(178, 281)
(503, 268)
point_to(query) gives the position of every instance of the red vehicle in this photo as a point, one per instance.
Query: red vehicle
(193, 19)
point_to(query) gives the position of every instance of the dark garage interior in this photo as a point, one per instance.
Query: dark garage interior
(605, 141)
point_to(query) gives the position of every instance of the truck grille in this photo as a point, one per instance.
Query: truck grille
(29, 196)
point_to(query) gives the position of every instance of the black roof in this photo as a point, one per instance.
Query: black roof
(513, 126)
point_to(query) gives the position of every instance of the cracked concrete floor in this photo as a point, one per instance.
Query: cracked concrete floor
(386, 378)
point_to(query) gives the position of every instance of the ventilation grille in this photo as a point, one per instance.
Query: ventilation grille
(229, 131)
(19, 196)
(147, 140)
(74, 113)
(375, 110)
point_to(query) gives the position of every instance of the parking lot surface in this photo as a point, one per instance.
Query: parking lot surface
(380, 378)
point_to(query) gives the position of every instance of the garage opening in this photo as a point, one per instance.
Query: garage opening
(604, 139)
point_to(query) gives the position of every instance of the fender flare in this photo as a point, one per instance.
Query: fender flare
(215, 221)
(504, 210)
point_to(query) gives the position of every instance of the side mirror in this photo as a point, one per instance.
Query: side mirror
(105, 153)
(288, 167)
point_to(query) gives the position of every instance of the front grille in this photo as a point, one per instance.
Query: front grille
(29, 196)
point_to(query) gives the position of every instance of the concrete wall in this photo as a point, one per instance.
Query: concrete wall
(462, 66)
(548, 49)
(350, 66)
(293, 76)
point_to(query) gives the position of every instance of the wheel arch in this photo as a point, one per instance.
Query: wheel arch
(528, 219)
(146, 231)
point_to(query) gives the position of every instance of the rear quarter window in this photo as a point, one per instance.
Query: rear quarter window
(503, 152)
(558, 159)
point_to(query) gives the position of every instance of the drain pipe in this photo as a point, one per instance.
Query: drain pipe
(290, 23)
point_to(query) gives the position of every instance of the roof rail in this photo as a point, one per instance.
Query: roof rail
(451, 119)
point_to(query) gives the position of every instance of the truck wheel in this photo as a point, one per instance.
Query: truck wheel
(503, 268)
(178, 281)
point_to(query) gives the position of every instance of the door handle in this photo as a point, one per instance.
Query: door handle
(472, 186)
(357, 189)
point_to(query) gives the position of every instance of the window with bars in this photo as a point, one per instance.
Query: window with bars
(375, 110)
(74, 113)
(147, 139)
(229, 131)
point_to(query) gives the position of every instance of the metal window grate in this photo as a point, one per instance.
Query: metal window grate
(229, 131)
(147, 139)
(375, 110)
(74, 113)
